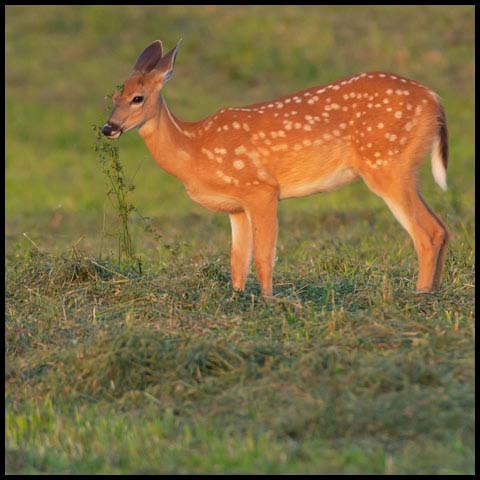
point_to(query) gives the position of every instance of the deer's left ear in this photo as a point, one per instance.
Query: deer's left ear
(166, 63)
(149, 57)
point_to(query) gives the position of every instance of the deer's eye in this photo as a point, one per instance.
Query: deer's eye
(138, 99)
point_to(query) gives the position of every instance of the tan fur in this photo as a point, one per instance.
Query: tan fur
(243, 160)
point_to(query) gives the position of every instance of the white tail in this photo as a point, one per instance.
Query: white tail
(439, 171)
(243, 160)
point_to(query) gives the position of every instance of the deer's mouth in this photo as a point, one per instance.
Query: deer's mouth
(115, 134)
(111, 131)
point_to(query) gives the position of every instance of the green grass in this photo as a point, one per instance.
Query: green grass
(113, 371)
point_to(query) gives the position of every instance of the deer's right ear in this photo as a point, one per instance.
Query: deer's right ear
(149, 57)
(166, 64)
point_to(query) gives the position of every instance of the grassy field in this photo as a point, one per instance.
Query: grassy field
(109, 370)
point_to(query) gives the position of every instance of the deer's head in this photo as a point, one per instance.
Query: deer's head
(138, 101)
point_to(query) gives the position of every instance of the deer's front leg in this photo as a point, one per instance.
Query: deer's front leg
(241, 253)
(263, 217)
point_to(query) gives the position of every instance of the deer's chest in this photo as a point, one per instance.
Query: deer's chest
(216, 201)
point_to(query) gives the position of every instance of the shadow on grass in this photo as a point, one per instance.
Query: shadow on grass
(321, 295)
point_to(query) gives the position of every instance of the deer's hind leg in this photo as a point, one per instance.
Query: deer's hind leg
(429, 234)
(443, 248)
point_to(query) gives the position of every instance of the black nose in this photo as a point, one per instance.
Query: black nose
(110, 129)
(107, 129)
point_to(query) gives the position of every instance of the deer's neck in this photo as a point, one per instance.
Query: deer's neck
(168, 142)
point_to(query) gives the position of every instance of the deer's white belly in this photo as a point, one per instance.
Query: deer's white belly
(302, 187)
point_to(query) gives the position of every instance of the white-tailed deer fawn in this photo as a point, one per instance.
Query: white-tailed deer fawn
(243, 160)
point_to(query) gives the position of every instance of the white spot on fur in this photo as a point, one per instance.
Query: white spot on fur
(208, 153)
(241, 149)
(238, 164)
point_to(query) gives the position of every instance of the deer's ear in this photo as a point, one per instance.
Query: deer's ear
(149, 57)
(165, 64)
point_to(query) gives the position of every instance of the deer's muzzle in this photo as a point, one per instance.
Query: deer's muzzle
(111, 130)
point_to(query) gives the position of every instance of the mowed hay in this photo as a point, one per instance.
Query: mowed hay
(204, 372)
(134, 360)
(50, 273)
